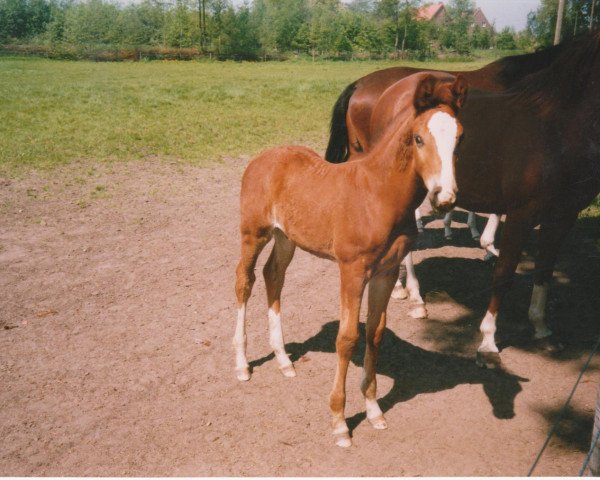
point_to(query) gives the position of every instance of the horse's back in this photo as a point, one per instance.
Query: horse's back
(267, 175)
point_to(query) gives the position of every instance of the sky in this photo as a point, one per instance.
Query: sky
(507, 13)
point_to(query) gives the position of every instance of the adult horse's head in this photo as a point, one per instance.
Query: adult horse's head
(435, 135)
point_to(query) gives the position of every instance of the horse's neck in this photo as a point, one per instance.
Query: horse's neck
(390, 169)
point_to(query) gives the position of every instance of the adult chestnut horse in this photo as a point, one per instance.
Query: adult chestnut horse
(532, 152)
(358, 214)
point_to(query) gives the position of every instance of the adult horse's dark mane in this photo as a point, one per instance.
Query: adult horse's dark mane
(563, 82)
(513, 68)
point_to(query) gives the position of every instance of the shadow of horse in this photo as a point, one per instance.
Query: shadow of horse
(414, 371)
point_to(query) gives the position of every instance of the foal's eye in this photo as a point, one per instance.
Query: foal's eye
(418, 140)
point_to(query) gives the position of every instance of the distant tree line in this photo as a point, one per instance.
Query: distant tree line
(274, 28)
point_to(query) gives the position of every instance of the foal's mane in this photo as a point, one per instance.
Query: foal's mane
(563, 81)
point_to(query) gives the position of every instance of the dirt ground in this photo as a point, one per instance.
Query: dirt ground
(116, 316)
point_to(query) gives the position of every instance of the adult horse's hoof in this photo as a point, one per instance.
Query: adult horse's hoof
(549, 344)
(399, 293)
(343, 439)
(488, 360)
(419, 312)
(243, 374)
(378, 422)
(288, 371)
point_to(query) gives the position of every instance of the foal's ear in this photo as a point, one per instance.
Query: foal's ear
(424, 98)
(459, 91)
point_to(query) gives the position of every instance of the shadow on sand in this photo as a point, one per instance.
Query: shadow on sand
(415, 371)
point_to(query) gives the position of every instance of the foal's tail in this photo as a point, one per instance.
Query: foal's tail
(337, 149)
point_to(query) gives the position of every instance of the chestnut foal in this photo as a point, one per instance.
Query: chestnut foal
(359, 214)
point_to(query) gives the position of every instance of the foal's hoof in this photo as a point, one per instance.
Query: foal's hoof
(343, 439)
(448, 237)
(288, 371)
(378, 422)
(418, 312)
(476, 237)
(399, 293)
(488, 360)
(549, 345)
(243, 374)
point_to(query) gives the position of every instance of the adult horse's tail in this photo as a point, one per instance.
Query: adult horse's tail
(337, 149)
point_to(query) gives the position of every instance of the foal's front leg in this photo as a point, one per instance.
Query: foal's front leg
(351, 291)
(380, 288)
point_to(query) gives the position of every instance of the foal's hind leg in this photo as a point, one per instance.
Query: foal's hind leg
(274, 273)
(380, 288)
(252, 245)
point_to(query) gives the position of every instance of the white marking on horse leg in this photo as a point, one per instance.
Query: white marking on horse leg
(488, 329)
(278, 345)
(419, 220)
(537, 311)
(489, 233)
(413, 288)
(472, 223)
(341, 434)
(399, 292)
(443, 127)
(242, 369)
(448, 225)
(374, 414)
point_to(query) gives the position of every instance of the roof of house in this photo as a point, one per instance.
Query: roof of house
(480, 18)
(430, 11)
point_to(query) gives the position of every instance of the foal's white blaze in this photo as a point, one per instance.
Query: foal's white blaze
(443, 128)
(537, 310)
(488, 329)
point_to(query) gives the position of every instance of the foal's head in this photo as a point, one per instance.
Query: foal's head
(435, 134)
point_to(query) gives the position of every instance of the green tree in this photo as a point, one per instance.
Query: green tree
(181, 29)
(506, 39)
(23, 19)
(456, 34)
(481, 37)
(92, 22)
(279, 23)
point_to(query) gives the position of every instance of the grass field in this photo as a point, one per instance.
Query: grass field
(54, 112)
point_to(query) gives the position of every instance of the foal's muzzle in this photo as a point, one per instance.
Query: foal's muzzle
(442, 200)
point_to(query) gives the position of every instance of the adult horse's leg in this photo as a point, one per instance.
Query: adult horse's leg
(274, 273)
(516, 231)
(448, 225)
(252, 245)
(489, 235)
(552, 234)
(419, 220)
(380, 288)
(414, 289)
(472, 223)
(352, 286)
